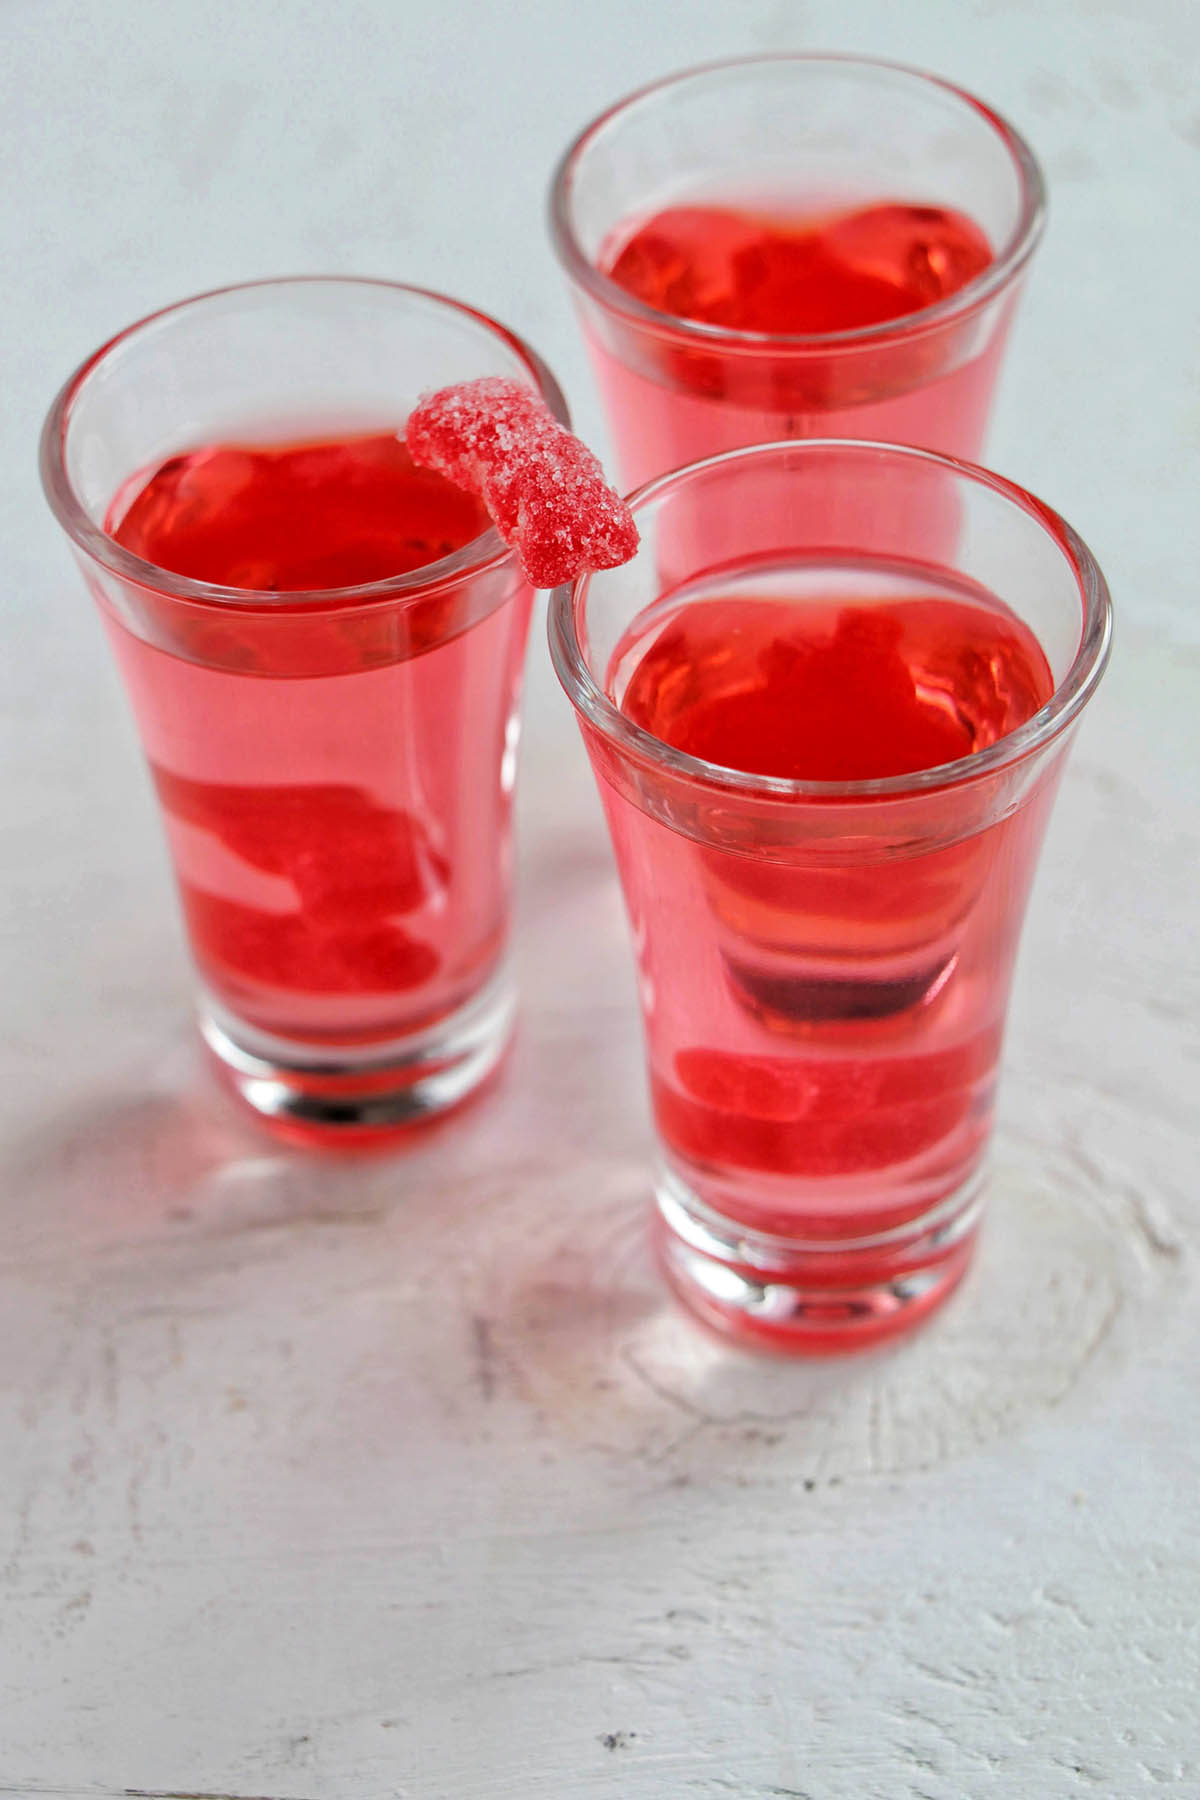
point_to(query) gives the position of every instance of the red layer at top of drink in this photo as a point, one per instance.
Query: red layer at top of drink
(754, 270)
(286, 517)
(833, 690)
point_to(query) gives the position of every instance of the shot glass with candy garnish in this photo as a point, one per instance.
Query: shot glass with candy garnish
(827, 743)
(792, 247)
(323, 644)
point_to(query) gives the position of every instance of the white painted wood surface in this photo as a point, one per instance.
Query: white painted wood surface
(401, 1477)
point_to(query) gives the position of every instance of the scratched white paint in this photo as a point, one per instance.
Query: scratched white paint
(402, 1478)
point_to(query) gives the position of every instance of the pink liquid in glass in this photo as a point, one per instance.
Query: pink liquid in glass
(824, 1021)
(675, 396)
(336, 784)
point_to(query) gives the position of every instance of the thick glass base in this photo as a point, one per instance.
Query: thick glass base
(818, 1298)
(352, 1096)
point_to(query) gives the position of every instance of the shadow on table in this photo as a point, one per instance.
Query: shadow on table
(525, 1216)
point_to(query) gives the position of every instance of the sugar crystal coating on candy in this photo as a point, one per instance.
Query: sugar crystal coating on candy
(545, 490)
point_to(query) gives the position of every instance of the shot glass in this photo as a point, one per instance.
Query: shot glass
(801, 136)
(335, 767)
(825, 963)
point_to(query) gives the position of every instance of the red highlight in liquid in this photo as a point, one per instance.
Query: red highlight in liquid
(749, 271)
(836, 692)
(283, 518)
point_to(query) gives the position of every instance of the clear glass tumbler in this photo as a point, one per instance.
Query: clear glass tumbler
(335, 767)
(825, 963)
(805, 136)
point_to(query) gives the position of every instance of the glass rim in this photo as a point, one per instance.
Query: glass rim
(1064, 705)
(999, 274)
(481, 554)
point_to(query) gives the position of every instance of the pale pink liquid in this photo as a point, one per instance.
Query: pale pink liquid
(672, 399)
(824, 1024)
(337, 792)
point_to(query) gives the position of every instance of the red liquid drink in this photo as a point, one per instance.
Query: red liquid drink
(826, 753)
(834, 1025)
(335, 857)
(795, 247)
(751, 270)
(741, 271)
(323, 646)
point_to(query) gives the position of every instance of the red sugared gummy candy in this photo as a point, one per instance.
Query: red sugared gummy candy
(545, 490)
